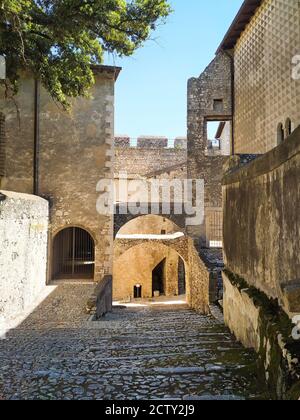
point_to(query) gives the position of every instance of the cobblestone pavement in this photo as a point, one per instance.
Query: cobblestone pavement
(153, 352)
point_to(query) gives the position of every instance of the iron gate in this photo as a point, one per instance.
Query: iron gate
(73, 254)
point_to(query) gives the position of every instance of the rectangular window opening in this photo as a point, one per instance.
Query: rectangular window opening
(219, 138)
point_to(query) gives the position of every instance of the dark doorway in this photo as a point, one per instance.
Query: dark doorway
(181, 277)
(158, 278)
(73, 255)
(137, 292)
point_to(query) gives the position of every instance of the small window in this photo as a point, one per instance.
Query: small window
(163, 232)
(288, 128)
(280, 134)
(2, 145)
(218, 105)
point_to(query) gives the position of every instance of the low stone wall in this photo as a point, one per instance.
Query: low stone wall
(23, 251)
(199, 281)
(258, 322)
(261, 229)
(261, 250)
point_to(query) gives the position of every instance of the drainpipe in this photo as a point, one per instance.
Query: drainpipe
(231, 57)
(36, 155)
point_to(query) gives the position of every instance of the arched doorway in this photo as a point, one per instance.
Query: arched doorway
(181, 277)
(159, 278)
(73, 254)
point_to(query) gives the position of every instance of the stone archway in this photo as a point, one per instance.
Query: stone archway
(138, 262)
(73, 254)
(142, 246)
(149, 225)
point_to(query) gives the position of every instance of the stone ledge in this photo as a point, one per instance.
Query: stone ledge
(268, 162)
(260, 323)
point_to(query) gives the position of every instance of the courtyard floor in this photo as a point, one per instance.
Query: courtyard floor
(159, 351)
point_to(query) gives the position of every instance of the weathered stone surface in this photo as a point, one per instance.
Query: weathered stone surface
(261, 209)
(152, 142)
(136, 353)
(135, 264)
(258, 322)
(75, 153)
(291, 297)
(241, 315)
(23, 251)
(213, 84)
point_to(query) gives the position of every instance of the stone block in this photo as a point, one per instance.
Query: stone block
(292, 297)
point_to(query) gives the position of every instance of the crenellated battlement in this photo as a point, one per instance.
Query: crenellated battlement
(150, 142)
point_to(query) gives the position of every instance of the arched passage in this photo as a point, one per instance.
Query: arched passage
(73, 254)
(149, 225)
(159, 278)
(151, 265)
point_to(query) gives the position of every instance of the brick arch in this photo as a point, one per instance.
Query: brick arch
(149, 224)
(120, 220)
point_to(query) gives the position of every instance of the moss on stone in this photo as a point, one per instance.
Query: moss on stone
(275, 354)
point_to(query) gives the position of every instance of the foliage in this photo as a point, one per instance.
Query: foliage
(58, 40)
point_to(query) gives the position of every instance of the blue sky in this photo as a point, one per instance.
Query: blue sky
(151, 90)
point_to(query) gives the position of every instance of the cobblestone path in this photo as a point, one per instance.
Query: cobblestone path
(154, 352)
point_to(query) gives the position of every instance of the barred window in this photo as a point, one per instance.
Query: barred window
(2, 144)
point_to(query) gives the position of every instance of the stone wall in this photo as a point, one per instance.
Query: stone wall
(137, 257)
(135, 266)
(261, 232)
(151, 158)
(199, 280)
(209, 99)
(75, 153)
(23, 251)
(259, 323)
(266, 94)
(261, 250)
(19, 148)
(70, 179)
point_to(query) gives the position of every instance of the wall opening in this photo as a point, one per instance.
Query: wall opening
(159, 278)
(73, 254)
(288, 128)
(280, 134)
(219, 137)
(137, 292)
(214, 227)
(181, 277)
(218, 105)
(2, 144)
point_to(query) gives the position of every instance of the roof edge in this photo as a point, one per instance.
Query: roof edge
(242, 19)
(100, 68)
